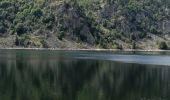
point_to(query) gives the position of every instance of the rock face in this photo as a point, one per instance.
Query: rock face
(86, 35)
(75, 24)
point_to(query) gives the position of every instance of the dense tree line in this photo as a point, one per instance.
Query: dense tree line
(92, 21)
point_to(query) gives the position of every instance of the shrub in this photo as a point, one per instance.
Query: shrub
(133, 45)
(132, 37)
(61, 35)
(23, 40)
(163, 46)
(119, 47)
(20, 29)
(142, 35)
(5, 4)
(48, 18)
(44, 44)
(2, 29)
(37, 12)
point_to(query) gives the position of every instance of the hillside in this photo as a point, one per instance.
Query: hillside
(113, 24)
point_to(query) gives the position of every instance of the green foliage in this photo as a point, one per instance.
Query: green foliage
(5, 4)
(2, 29)
(37, 12)
(23, 40)
(61, 35)
(49, 18)
(44, 44)
(132, 37)
(133, 45)
(106, 20)
(162, 45)
(20, 29)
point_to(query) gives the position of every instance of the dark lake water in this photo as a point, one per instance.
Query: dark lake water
(84, 75)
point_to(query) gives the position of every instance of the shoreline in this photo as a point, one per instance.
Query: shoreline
(59, 49)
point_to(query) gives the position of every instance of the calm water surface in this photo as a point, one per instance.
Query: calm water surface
(83, 75)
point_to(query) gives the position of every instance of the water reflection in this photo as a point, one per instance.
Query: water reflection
(27, 75)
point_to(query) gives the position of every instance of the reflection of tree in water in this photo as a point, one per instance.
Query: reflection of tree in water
(43, 79)
(39, 77)
(128, 82)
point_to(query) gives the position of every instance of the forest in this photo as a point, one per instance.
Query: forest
(109, 24)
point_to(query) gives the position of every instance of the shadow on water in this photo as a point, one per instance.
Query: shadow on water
(35, 75)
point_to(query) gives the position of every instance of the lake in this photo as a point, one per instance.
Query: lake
(84, 75)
